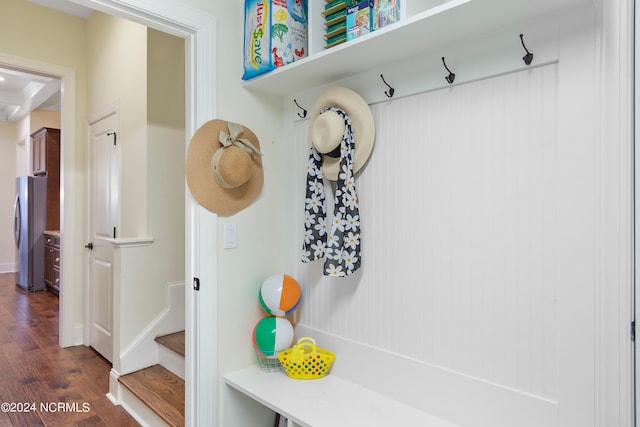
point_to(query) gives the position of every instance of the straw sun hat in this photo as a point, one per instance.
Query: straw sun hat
(224, 166)
(327, 128)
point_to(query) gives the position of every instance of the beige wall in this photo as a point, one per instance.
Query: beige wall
(8, 140)
(165, 151)
(117, 69)
(165, 79)
(58, 35)
(44, 118)
(24, 165)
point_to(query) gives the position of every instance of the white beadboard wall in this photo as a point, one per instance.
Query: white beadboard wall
(459, 211)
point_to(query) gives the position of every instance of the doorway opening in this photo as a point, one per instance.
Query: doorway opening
(65, 80)
(30, 115)
(198, 31)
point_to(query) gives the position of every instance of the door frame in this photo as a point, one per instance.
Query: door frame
(636, 217)
(69, 332)
(199, 31)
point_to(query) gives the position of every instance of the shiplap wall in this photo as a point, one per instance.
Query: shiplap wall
(459, 212)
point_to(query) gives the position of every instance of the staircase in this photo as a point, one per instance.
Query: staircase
(158, 391)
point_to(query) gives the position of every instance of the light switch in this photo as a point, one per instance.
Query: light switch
(230, 236)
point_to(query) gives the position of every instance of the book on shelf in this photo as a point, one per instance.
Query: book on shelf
(359, 19)
(386, 12)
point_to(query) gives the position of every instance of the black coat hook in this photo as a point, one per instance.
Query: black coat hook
(529, 56)
(451, 77)
(304, 112)
(391, 90)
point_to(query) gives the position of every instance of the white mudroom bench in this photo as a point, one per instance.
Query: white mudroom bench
(360, 390)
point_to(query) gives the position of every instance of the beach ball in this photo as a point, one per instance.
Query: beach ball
(272, 335)
(280, 294)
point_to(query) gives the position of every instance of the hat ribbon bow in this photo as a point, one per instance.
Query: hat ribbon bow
(233, 138)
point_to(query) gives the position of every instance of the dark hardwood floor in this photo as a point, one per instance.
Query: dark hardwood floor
(42, 384)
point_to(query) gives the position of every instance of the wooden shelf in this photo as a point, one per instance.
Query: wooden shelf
(329, 401)
(423, 33)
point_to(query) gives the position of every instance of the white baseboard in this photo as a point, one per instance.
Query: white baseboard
(8, 268)
(114, 390)
(78, 335)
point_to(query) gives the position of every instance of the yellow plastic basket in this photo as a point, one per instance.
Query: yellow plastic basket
(305, 361)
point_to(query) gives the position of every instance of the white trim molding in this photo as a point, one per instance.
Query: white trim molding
(615, 190)
(131, 242)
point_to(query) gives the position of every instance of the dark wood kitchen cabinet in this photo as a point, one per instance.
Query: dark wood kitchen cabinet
(45, 155)
(52, 260)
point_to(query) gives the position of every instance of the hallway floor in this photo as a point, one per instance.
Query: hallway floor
(42, 384)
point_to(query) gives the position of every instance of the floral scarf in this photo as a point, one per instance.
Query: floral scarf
(341, 245)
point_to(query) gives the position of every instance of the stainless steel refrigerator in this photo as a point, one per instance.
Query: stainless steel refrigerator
(29, 222)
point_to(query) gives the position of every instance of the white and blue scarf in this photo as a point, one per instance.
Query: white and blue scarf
(339, 241)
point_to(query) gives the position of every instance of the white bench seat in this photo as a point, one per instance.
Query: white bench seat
(327, 402)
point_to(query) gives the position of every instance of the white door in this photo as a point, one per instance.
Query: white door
(103, 208)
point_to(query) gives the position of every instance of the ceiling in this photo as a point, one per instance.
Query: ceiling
(22, 92)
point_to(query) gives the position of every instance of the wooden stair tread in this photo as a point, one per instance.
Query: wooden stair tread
(173, 341)
(161, 390)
